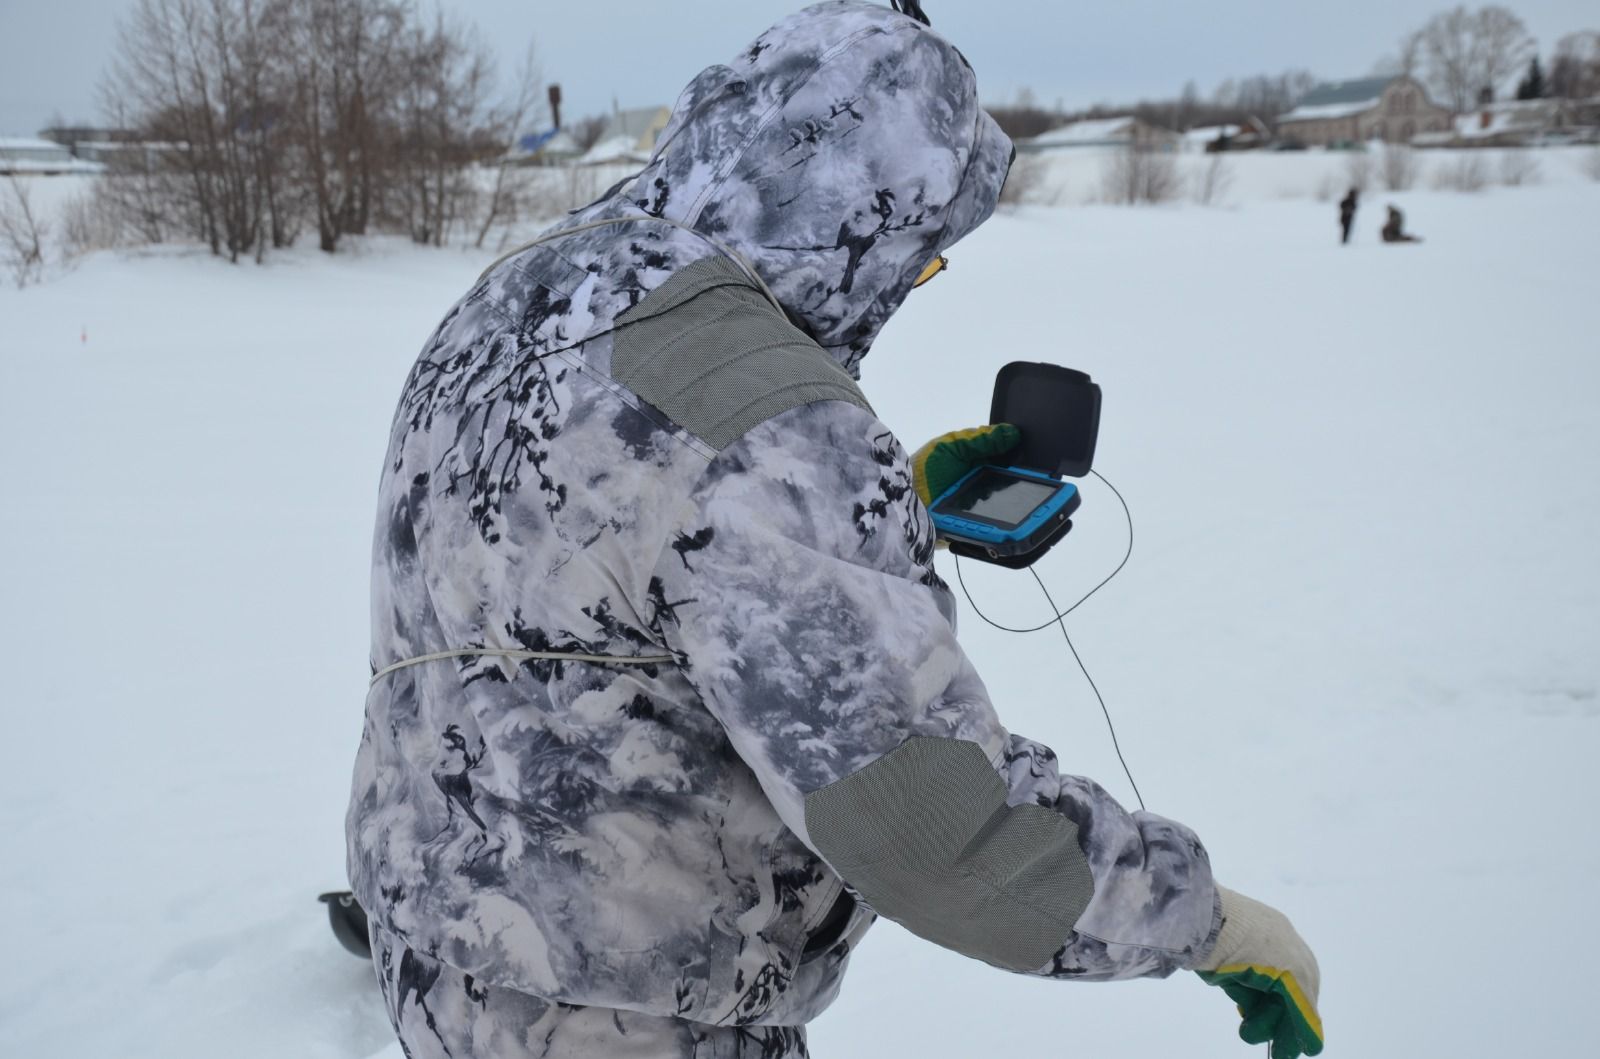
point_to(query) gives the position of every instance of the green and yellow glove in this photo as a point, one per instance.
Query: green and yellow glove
(946, 459)
(1270, 973)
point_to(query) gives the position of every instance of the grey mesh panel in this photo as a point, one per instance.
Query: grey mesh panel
(925, 835)
(711, 352)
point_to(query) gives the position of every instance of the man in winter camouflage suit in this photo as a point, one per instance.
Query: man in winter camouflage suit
(668, 705)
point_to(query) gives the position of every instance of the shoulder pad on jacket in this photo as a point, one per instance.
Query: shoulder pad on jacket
(709, 351)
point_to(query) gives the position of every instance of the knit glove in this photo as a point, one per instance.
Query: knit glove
(945, 460)
(1269, 972)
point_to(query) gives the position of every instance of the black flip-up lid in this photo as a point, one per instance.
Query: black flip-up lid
(1057, 410)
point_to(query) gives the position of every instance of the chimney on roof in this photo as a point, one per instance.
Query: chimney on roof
(555, 107)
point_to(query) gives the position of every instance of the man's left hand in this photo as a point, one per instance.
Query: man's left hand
(947, 459)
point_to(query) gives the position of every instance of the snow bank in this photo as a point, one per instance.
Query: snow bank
(1355, 647)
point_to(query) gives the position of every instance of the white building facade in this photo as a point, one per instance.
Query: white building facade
(1391, 109)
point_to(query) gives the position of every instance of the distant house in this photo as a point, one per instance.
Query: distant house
(73, 137)
(1214, 139)
(1514, 123)
(1586, 112)
(1201, 139)
(561, 148)
(1102, 132)
(29, 156)
(1392, 109)
(551, 147)
(106, 147)
(108, 151)
(630, 136)
(1218, 138)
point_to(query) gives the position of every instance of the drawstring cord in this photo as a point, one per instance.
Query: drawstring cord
(911, 8)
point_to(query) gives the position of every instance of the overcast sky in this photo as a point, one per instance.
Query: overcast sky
(641, 52)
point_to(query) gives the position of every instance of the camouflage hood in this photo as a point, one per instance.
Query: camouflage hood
(839, 154)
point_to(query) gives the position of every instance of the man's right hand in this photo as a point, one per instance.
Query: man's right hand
(1267, 969)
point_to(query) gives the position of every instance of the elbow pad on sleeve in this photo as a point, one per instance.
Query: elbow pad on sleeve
(925, 835)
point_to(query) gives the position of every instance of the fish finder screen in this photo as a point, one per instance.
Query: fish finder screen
(999, 498)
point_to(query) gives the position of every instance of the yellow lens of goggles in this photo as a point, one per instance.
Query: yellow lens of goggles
(938, 265)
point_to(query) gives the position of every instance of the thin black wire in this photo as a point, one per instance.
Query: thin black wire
(1085, 670)
(1040, 628)
(1061, 620)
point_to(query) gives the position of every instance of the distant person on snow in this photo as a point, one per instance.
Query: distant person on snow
(1394, 229)
(668, 705)
(1347, 214)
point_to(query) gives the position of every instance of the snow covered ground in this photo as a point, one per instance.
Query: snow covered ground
(1358, 647)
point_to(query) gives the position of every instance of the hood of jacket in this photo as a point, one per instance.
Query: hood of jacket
(839, 154)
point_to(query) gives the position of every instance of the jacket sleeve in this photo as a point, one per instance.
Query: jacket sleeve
(797, 590)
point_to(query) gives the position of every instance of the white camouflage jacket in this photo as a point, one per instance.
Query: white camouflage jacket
(616, 446)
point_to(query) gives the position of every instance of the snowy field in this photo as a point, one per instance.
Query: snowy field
(1357, 648)
(1077, 177)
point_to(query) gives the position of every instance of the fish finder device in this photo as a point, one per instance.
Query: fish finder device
(1012, 516)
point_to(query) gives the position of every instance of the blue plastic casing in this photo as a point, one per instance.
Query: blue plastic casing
(1005, 538)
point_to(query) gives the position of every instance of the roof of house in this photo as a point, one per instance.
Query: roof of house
(562, 143)
(1327, 111)
(1361, 90)
(29, 143)
(1339, 99)
(552, 142)
(1211, 133)
(624, 135)
(615, 149)
(1106, 130)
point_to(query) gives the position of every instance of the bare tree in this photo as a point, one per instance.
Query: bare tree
(265, 124)
(1575, 66)
(145, 195)
(157, 76)
(1398, 167)
(1518, 166)
(1466, 54)
(22, 234)
(260, 117)
(1024, 117)
(1358, 170)
(344, 62)
(508, 197)
(1213, 181)
(195, 77)
(89, 221)
(1028, 183)
(586, 132)
(1187, 112)
(1270, 95)
(1135, 175)
(1405, 60)
(579, 186)
(1465, 172)
(440, 113)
